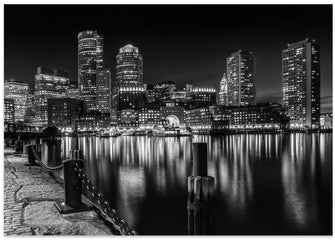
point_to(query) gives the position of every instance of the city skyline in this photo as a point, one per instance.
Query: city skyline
(203, 68)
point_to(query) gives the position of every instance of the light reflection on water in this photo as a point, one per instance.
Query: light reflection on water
(265, 184)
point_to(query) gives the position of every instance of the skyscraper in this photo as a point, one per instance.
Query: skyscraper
(241, 78)
(19, 92)
(301, 83)
(129, 92)
(104, 90)
(49, 83)
(223, 93)
(90, 60)
(129, 66)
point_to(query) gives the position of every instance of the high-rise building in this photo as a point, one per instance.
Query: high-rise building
(19, 92)
(49, 83)
(9, 110)
(129, 66)
(129, 91)
(90, 61)
(241, 78)
(104, 91)
(301, 83)
(223, 93)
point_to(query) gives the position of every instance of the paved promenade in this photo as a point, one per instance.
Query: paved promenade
(29, 203)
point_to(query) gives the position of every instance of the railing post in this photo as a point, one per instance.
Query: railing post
(73, 189)
(200, 193)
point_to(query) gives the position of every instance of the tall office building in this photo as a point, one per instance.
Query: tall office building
(104, 90)
(49, 83)
(223, 93)
(241, 78)
(90, 61)
(19, 92)
(129, 92)
(301, 83)
(129, 66)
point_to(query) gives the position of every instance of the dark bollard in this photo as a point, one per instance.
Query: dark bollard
(199, 159)
(73, 189)
(200, 193)
(31, 156)
(19, 146)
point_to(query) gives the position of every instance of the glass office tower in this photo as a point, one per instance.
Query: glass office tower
(301, 83)
(90, 60)
(241, 78)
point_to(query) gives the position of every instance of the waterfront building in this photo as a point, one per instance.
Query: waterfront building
(9, 107)
(218, 118)
(128, 119)
(94, 121)
(241, 78)
(173, 115)
(90, 61)
(129, 66)
(301, 83)
(149, 117)
(104, 91)
(223, 93)
(262, 116)
(326, 120)
(49, 83)
(131, 97)
(19, 92)
(201, 96)
(64, 113)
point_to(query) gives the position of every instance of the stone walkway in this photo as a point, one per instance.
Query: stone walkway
(29, 195)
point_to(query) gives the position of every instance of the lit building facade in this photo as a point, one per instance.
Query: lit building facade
(219, 118)
(201, 96)
(128, 119)
(72, 91)
(223, 93)
(19, 92)
(90, 61)
(326, 120)
(241, 78)
(49, 83)
(104, 91)
(94, 121)
(131, 97)
(149, 117)
(64, 113)
(129, 66)
(301, 83)
(9, 107)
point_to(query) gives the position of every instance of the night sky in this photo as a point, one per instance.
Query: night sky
(184, 44)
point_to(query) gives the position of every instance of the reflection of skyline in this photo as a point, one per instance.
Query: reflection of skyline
(138, 173)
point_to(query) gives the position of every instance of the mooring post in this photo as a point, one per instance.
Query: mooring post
(73, 189)
(19, 146)
(200, 192)
(31, 156)
(51, 147)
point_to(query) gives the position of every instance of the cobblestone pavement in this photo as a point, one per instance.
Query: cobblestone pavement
(29, 195)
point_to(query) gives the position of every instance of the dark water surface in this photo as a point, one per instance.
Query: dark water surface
(265, 184)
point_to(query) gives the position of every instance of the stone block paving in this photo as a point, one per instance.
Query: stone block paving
(29, 195)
